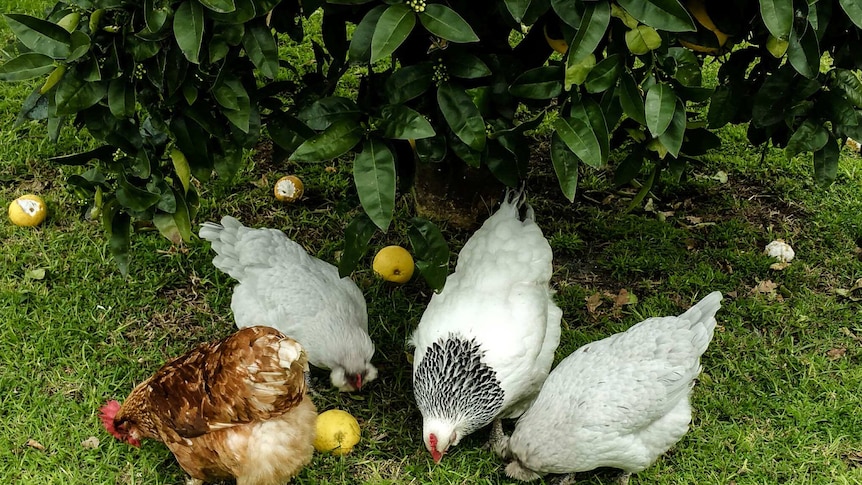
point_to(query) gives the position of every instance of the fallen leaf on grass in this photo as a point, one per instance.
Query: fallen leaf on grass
(35, 444)
(90, 443)
(720, 176)
(624, 298)
(854, 457)
(765, 286)
(836, 353)
(694, 219)
(35, 274)
(853, 293)
(593, 302)
(779, 266)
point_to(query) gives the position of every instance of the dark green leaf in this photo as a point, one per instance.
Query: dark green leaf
(431, 250)
(528, 125)
(409, 82)
(565, 165)
(811, 136)
(604, 75)
(804, 53)
(35, 107)
(360, 43)
(155, 18)
(325, 111)
(502, 162)
(540, 83)
(777, 15)
(673, 136)
(40, 36)
(189, 29)
(228, 160)
(260, 46)
(853, 9)
(121, 98)
(594, 23)
(698, 141)
(464, 65)
(357, 235)
(237, 105)
(568, 11)
(119, 240)
(659, 108)
(103, 153)
(462, 115)
(774, 97)
(848, 83)
(220, 6)
(629, 168)
(667, 15)
(461, 150)
(579, 136)
(722, 107)
(631, 99)
(26, 66)
(374, 177)
(445, 23)
(135, 198)
(391, 30)
(517, 8)
(335, 141)
(287, 132)
(826, 163)
(80, 46)
(74, 94)
(402, 123)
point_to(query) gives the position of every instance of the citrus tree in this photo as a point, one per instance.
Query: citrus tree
(451, 90)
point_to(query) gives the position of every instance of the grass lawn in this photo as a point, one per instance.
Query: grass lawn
(778, 402)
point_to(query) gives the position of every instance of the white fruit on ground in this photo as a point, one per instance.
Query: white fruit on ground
(781, 251)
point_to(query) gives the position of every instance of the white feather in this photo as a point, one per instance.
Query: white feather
(282, 286)
(619, 402)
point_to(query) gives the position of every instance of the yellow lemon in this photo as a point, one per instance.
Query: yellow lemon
(289, 188)
(337, 432)
(28, 210)
(393, 263)
(559, 45)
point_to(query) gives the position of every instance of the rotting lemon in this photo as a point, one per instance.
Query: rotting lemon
(28, 210)
(393, 263)
(289, 188)
(337, 432)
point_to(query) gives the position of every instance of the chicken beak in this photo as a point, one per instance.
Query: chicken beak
(436, 456)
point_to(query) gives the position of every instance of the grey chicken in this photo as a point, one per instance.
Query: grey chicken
(282, 286)
(620, 402)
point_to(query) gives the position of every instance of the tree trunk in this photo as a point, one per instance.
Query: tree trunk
(455, 193)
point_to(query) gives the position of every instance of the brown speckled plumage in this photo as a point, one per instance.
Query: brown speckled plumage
(234, 408)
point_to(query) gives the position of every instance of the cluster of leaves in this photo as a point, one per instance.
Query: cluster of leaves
(168, 87)
(450, 82)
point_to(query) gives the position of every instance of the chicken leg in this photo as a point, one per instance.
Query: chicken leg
(498, 442)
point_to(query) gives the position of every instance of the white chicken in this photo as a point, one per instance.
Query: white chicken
(486, 342)
(282, 286)
(620, 402)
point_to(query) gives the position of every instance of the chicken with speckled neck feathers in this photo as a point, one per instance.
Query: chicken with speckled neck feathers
(283, 287)
(486, 342)
(620, 402)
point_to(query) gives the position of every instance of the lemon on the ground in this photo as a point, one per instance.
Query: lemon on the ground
(393, 263)
(28, 210)
(337, 432)
(288, 188)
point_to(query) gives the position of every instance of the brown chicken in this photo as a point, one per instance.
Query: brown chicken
(235, 408)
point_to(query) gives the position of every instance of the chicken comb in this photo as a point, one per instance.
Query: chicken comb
(107, 414)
